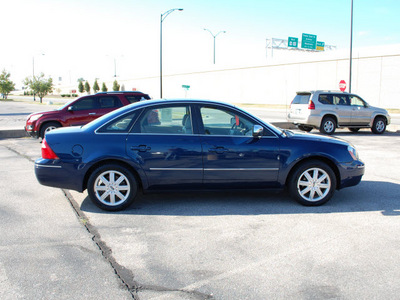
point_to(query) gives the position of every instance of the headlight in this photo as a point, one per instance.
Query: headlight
(35, 117)
(353, 152)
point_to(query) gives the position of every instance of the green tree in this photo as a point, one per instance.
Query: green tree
(6, 85)
(96, 87)
(81, 88)
(87, 87)
(116, 86)
(104, 88)
(39, 85)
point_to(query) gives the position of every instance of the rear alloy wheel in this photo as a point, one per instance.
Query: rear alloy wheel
(313, 183)
(48, 127)
(379, 125)
(328, 125)
(112, 187)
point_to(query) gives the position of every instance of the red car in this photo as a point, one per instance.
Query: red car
(80, 111)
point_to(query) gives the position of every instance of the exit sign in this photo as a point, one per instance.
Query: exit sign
(293, 42)
(309, 41)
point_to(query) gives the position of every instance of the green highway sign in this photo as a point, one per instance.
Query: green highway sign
(186, 86)
(309, 41)
(320, 46)
(293, 42)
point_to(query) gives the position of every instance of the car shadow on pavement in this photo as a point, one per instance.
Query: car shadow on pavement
(367, 196)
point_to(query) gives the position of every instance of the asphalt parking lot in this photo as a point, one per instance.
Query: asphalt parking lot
(246, 245)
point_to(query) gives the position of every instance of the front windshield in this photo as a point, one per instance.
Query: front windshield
(275, 129)
(66, 105)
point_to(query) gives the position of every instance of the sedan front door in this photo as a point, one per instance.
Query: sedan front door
(232, 157)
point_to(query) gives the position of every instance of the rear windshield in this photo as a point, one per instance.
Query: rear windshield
(301, 99)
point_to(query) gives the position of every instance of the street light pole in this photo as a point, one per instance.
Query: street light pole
(214, 36)
(351, 45)
(163, 16)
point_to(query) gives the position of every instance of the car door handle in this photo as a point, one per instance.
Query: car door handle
(218, 150)
(140, 148)
(92, 114)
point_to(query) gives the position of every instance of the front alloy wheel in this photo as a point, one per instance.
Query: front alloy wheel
(379, 125)
(313, 183)
(112, 187)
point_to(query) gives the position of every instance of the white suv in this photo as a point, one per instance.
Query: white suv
(328, 110)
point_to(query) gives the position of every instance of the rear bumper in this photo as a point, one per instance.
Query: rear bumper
(56, 174)
(309, 120)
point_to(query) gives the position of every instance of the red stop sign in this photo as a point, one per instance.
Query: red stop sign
(342, 85)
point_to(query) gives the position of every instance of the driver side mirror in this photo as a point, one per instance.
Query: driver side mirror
(257, 131)
(71, 108)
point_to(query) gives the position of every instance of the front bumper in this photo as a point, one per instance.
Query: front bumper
(351, 173)
(29, 131)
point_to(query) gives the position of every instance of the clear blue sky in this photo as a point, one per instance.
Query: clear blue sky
(81, 38)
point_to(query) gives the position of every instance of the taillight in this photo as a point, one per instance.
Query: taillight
(311, 105)
(47, 152)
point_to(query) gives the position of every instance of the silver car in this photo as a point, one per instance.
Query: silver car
(328, 110)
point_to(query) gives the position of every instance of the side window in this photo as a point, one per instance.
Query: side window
(86, 103)
(136, 98)
(224, 122)
(355, 101)
(325, 99)
(120, 125)
(165, 120)
(109, 102)
(340, 100)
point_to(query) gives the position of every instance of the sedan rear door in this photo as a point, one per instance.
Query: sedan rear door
(163, 143)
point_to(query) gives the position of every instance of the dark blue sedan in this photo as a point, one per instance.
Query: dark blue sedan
(191, 145)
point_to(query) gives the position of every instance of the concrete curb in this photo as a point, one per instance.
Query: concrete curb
(12, 133)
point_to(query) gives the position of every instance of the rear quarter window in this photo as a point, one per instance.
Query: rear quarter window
(301, 99)
(325, 99)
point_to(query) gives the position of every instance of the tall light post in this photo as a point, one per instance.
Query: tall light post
(163, 16)
(33, 73)
(214, 36)
(351, 45)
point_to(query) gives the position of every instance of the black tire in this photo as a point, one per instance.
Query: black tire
(313, 183)
(119, 190)
(328, 126)
(379, 125)
(48, 127)
(354, 129)
(305, 128)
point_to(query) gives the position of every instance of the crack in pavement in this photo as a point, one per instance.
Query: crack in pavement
(125, 275)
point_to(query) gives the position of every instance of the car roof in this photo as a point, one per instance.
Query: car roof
(321, 91)
(120, 92)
